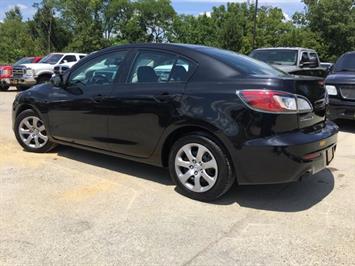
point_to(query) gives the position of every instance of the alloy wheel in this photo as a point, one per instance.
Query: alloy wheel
(33, 132)
(196, 167)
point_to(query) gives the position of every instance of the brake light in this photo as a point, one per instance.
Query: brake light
(272, 101)
(7, 72)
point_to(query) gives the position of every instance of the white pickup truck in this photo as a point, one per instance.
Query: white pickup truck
(27, 75)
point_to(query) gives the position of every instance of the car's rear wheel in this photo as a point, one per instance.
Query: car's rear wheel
(31, 132)
(200, 168)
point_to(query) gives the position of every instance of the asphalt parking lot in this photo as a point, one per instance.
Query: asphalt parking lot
(77, 207)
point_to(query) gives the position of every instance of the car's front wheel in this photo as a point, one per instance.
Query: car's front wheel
(200, 167)
(31, 132)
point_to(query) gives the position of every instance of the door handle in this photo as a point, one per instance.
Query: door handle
(163, 97)
(98, 98)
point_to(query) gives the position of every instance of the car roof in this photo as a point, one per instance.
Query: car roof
(168, 46)
(285, 48)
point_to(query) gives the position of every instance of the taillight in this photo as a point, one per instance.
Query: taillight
(7, 72)
(271, 101)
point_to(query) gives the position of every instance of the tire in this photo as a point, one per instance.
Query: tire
(4, 88)
(213, 172)
(29, 126)
(43, 79)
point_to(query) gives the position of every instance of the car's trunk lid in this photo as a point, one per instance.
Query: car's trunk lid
(313, 89)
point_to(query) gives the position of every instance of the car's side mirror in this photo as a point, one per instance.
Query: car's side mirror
(57, 80)
(59, 70)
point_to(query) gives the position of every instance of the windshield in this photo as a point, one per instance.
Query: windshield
(276, 56)
(25, 60)
(244, 64)
(345, 63)
(51, 59)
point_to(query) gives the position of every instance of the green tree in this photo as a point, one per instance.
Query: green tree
(48, 29)
(15, 39)
(334, 21)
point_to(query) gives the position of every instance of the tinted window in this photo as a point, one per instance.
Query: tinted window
(81, 56)
(242, 63)
(51, 59)
(276, 56)
(100, 70)
(160, 67)
(305, 57)
(312, 55)
(345, 63)
(68, 59)
(152, 67)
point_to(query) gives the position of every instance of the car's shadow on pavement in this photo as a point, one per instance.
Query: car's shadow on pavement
(290, 197)
(140, 170)
(346, 125)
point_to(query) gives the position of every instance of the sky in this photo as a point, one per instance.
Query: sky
(193, 7)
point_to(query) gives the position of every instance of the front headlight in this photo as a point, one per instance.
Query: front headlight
(29, 72)
(331, 90)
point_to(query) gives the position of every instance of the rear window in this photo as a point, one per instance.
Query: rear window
(345, 63)
(276, 56)
(244, 64)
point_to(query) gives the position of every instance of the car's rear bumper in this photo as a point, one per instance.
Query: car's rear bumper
(282, 158)
(344, 109)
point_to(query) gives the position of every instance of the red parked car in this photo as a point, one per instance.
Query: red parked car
(6, 71)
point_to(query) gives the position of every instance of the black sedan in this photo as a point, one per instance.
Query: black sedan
(214, 117)
(340, 85)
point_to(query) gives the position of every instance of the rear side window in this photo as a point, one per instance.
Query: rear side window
(159, 67)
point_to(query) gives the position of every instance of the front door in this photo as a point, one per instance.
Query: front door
(78, 113)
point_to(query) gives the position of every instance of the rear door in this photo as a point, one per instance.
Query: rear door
(147, 101)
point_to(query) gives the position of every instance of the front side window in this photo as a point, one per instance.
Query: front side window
(305, 57)
(101, 70)
(68, 59)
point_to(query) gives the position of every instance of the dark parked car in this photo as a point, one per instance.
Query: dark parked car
(340, 86)
(212, 116)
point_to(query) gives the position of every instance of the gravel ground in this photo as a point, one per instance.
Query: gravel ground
(74, 207)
